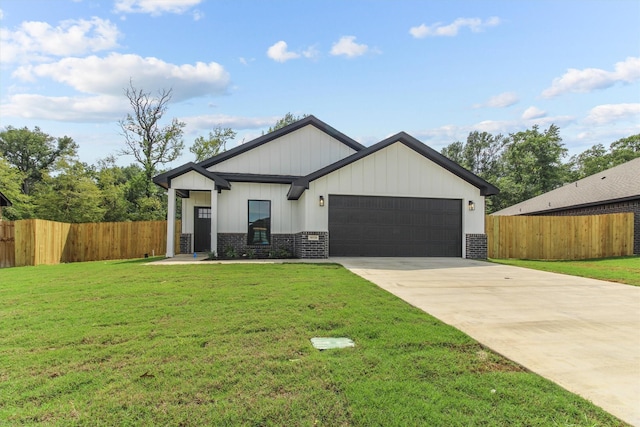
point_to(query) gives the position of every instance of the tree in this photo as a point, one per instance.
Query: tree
(285, 121)
(531, 165)
(146, 140)
(597, 158)
(590, 161)
(112, 181)
(217, 141)
(480, 154)
(33, 152)
(625, 149)
(70, 196)
(10, 185)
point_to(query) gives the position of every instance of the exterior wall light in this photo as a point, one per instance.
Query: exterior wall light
(321, 201)
(472, 206)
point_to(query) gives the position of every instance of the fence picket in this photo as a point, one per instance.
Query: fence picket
(36, 242)
(559, 237)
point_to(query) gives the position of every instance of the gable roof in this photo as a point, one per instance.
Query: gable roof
(617, 184)
(164, 179)
(486, 189)
(4, 201)
(309, 120)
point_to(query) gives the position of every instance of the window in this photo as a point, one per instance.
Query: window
(204, 213)
(259, 222)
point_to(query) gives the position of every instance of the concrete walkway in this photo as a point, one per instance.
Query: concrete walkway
(582, 334)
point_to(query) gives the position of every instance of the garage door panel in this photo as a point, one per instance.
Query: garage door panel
(394, 226)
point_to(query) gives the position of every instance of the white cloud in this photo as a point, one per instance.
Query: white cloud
(100, 108)
(590, 79)
(197, 15)
(611, 113)
(311, 52)
(279, 53)
(109, 75)
(533, 113)
(438, 29)
(348, 47)
(442, 136)
(209, 121)
(154, 7)
(35, 40)
(1, 14)
(502, 100)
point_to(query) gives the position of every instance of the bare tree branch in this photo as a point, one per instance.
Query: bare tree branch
(150, 143)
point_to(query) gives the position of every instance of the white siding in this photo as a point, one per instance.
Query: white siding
(232, 207)
(297, 153)
(192, 181)
(395, 171)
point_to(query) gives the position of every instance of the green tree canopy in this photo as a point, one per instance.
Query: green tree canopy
(69, 196)
(33, 152)
(214, 144)
(10, 185)
(531, 165)
(597, 158)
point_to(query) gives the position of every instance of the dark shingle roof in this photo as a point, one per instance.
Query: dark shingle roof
(619, 183)
(164, 179)
(4, 201)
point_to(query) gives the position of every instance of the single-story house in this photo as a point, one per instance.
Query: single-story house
(3, 202)
(614, 190)
(314, 192)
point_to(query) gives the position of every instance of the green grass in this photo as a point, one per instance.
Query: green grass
(622, 269)
(122, 343)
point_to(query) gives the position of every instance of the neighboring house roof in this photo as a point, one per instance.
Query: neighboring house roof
(4, 201)
(618, 184)
(309, 120)
(164, 179)
(486, 189)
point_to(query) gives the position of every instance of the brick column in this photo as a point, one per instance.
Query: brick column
(476, 247)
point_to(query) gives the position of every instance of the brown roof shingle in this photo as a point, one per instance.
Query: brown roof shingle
(621, 182)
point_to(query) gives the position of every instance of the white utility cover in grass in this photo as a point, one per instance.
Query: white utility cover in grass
(327, 343)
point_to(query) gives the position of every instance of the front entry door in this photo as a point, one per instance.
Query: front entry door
(202, 229)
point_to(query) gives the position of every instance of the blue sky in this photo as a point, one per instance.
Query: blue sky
(434, 69)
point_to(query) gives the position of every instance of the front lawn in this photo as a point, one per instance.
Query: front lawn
(123, 343)
(622, 269)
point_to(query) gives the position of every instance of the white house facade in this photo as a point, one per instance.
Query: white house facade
(313, 192)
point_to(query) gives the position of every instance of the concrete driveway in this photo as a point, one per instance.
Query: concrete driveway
(582, 334)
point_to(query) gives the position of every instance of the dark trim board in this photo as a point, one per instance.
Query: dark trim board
(394, 226)
(486, 189)
(309, 120)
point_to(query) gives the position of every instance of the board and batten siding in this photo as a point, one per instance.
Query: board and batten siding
(297, 153)
(395, 171)
(232, 207)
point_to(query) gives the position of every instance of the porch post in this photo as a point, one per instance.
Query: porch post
(171, 223)
(214, 221)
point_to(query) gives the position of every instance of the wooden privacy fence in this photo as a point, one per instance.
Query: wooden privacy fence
(559, 237)
(37, 241)
(7, 244)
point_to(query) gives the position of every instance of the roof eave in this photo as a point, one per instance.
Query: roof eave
(164, 179)
(309, 120)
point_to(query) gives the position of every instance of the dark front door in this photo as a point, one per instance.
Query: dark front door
(394, 226)
(202, 229)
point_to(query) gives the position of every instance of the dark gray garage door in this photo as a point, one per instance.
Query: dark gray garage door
(394, 226)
